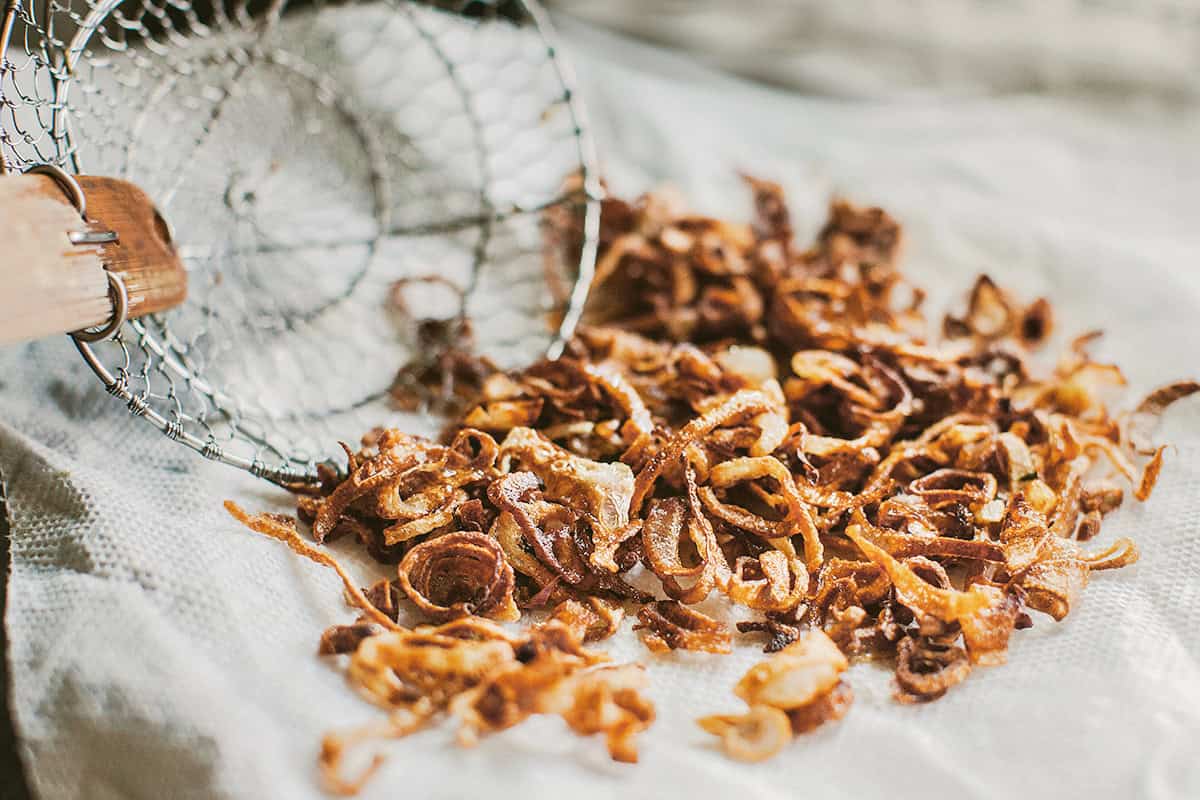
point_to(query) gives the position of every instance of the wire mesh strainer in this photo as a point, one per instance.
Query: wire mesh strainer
(311, 159)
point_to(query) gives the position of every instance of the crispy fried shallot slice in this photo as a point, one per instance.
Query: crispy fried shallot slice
(613, 381)
(608, 700)
(341, 639)
(1054, 582)
(741, 405)
(673, 525)
(926, 671)
(793, 691)
(459, 574)
(797, 520)
(771, 582)
(1144, 418)
(590, 619)
(602, 490)
(795, 676)
(503, 415)
(666, 625)
(976, 609)
(829, 707)
(757, 735)
(1023, 534)
(284, 529)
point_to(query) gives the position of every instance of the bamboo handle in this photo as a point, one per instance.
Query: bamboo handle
(50, 285)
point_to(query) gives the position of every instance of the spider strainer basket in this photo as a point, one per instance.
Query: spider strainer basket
(336, 175)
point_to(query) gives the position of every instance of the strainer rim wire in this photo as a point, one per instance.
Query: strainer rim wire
(592, 192)
(118, 387)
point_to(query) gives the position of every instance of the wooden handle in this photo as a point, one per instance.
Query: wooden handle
(50, 285)
(143, 255)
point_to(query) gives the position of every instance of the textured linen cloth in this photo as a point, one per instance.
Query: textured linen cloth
(158, 650)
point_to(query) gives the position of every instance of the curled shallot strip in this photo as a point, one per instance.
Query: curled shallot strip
(472, 449)
(1114, 455)
(716, 568)
(946, 605)
(1120, 553)
(992, 314)
(458, 574)
(591, 619)
(1017, 459)
(792, 691)
(362, 482)
(796, 675)
(1065, 503)
(408, 670)
(871, 583)
(773, 424)
(667, 625)
(601, 490)
(908, 545)
(1023, 534)
(827, 708)
(668, 524)
(1054, 581)
(608, 700)
(1145, 417)
(503, 415)
(428, 523)
(987, 633)
(798, 519)
(284, 530)
(757, 735)
(1088, 526)
(335, 745)
(948, 486)
(753, 364)
(742, 405)
(509, 535)
(1149, 477)
(823, 368)
(605, 544)
(771, 582)
(346, 638)
(663, 533)
(428, 488)
(613, 381)
(512, 494)
(926, 673)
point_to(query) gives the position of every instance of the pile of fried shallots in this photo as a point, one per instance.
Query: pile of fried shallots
(743, 417)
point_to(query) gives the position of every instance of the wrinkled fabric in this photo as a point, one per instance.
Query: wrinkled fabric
(159, 650)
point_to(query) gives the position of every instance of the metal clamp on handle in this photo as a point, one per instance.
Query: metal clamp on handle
(117, 292)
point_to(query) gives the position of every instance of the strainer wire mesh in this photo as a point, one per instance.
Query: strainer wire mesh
(436, 171)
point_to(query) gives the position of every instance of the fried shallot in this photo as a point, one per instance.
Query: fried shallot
(740, 419)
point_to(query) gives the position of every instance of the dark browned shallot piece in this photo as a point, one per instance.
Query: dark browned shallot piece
(667, 625)
(459, 574)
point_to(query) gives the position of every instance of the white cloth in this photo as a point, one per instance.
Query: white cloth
(879, 48)
(159, 650)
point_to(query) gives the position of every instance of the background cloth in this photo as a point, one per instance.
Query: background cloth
(159, 650)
